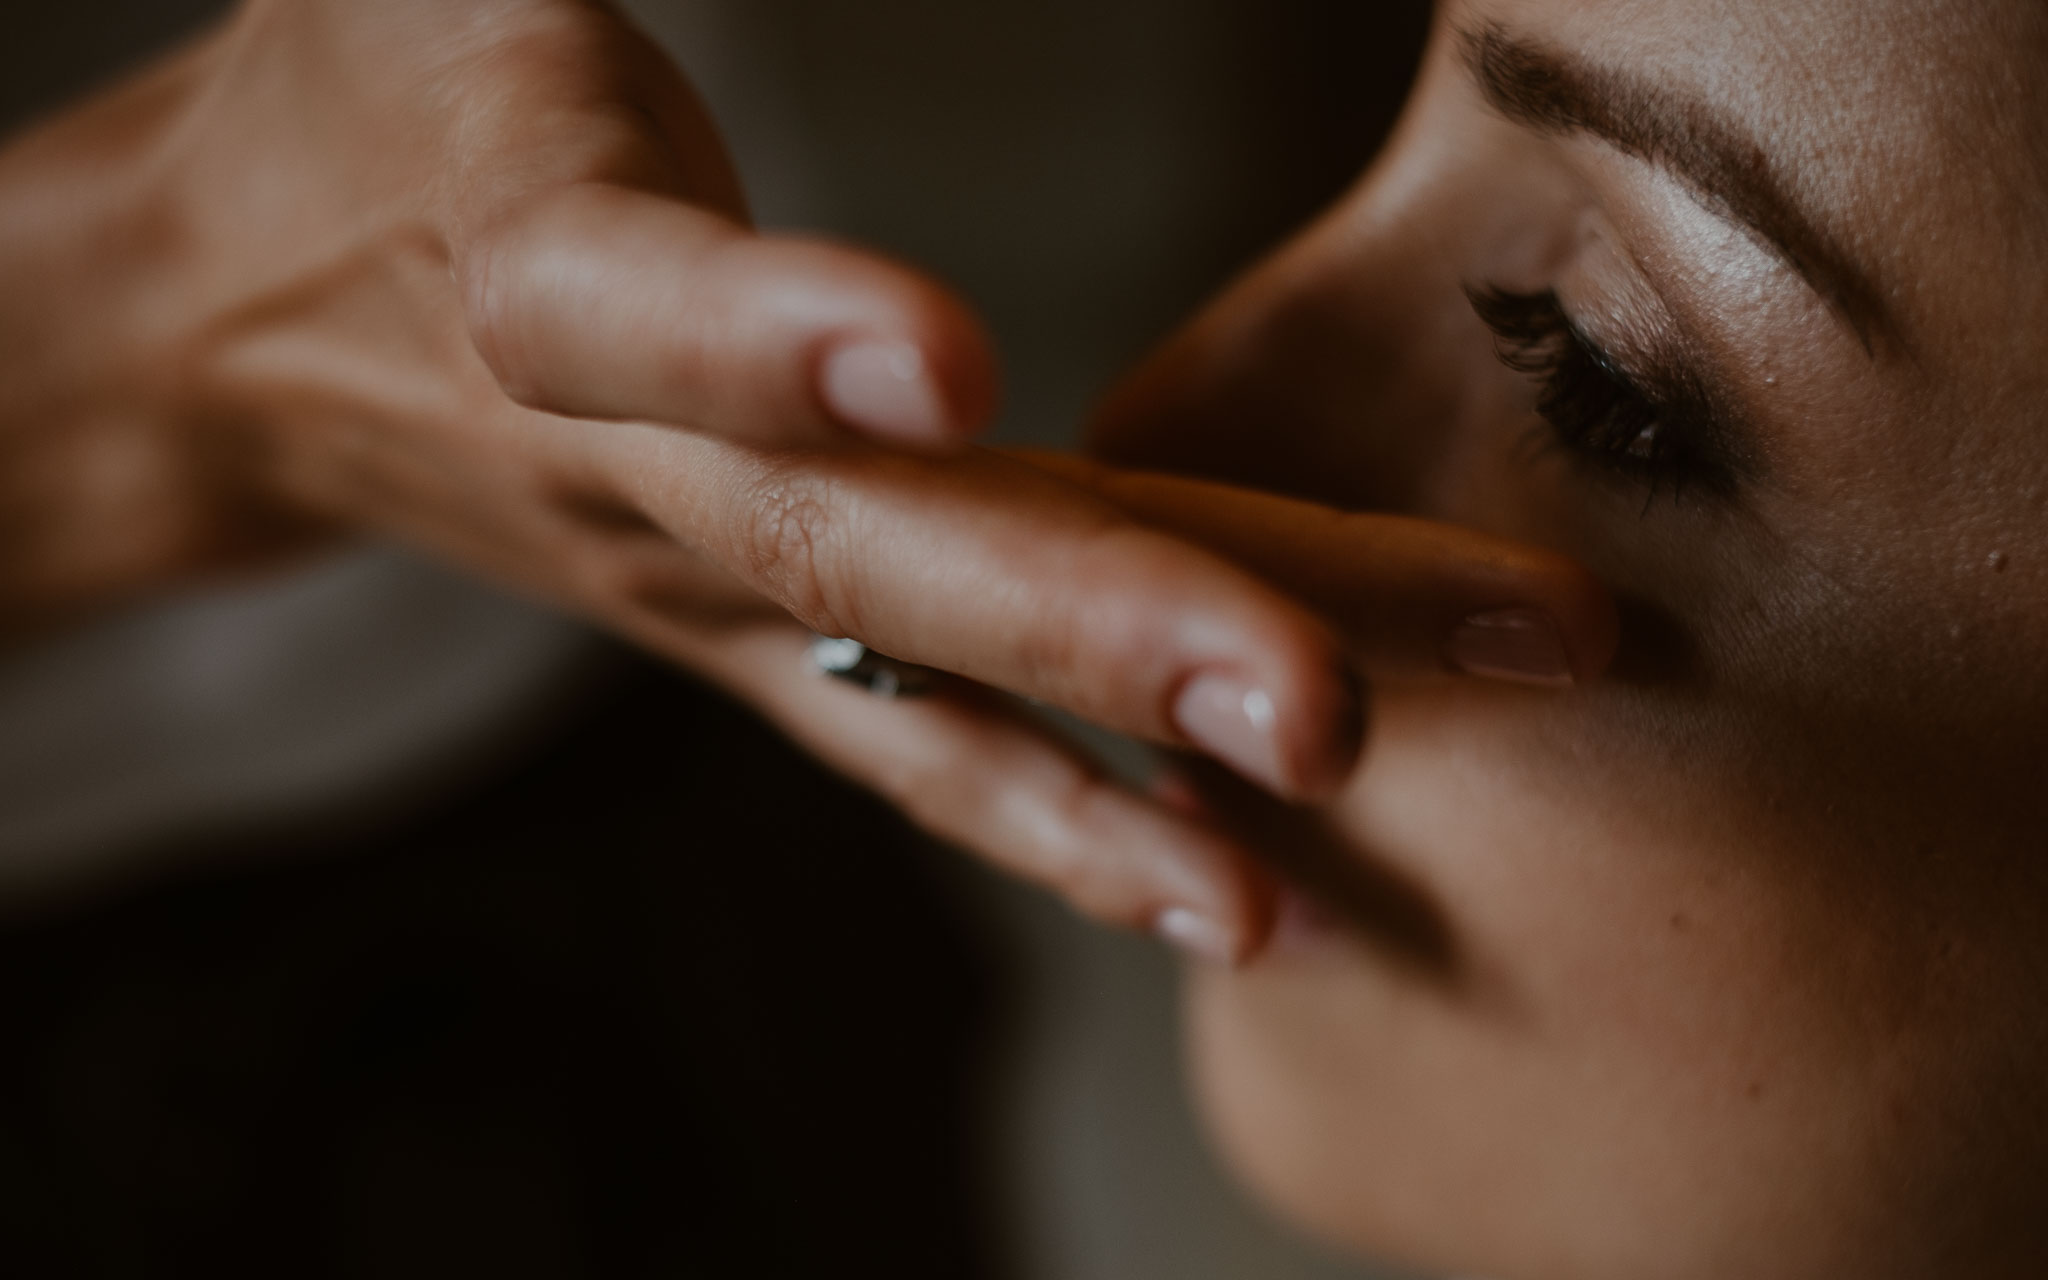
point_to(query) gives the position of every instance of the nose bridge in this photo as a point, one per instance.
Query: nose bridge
(1330, 369)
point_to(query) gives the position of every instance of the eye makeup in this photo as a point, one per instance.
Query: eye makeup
(1656, 426)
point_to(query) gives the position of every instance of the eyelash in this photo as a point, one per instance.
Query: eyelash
(1662, 435)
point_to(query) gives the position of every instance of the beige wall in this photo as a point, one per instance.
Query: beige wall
(1085, 169)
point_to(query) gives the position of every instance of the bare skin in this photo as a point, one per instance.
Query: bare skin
(476, 275)
(1731, 965)
(1737, 964)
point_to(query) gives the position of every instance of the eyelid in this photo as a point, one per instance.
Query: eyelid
(1727, 171)
(1597, 404)
(1674, 369)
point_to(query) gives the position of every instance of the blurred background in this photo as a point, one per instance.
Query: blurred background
(368, 923)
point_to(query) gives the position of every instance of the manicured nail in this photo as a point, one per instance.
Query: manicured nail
(885, 389)
(1520, 645)
(1233, 722)
(1196, 934)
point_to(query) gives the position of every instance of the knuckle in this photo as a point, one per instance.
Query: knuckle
(492, 303)
(786, 536)
(1082, 873)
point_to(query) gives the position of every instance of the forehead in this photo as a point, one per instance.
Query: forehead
(1835, 42)
(1915, 130)
(1871, 74)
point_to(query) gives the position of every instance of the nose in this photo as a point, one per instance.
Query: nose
(1322, 373)
(1348, 367)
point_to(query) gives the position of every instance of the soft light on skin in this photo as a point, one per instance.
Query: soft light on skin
(1736, 963)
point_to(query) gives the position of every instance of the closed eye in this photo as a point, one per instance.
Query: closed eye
(1660, 433)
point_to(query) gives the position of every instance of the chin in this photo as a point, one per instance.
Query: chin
(1576, 1137)
(1595, 1051)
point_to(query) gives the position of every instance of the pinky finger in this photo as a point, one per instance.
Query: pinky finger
(974, 772)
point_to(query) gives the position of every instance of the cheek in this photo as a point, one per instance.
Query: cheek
(1652, 1043)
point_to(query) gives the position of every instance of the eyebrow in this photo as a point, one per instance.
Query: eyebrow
(1728, 171)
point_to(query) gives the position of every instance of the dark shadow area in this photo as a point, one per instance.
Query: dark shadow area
(662, 1001)
(55, 51)
(1381, 908)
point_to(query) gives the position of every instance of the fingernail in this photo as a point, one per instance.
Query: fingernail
(1520, 645)
(884, 389)
(1233, 722)
(1196, 934)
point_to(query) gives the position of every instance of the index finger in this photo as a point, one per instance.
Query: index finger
(995, 570)
(1414, 594)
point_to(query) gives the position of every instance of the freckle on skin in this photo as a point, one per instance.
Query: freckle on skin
(1755, 1090)
(1679, 923)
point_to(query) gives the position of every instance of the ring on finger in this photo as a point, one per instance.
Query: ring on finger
(856, 664)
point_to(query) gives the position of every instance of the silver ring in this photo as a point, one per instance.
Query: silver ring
(856, 664)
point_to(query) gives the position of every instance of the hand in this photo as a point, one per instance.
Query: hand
(476, 274)
(1408, 599)
(319, 271)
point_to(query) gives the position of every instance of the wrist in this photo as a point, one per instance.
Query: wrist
(104, 485)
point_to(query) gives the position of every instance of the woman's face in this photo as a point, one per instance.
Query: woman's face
(1736, 964)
